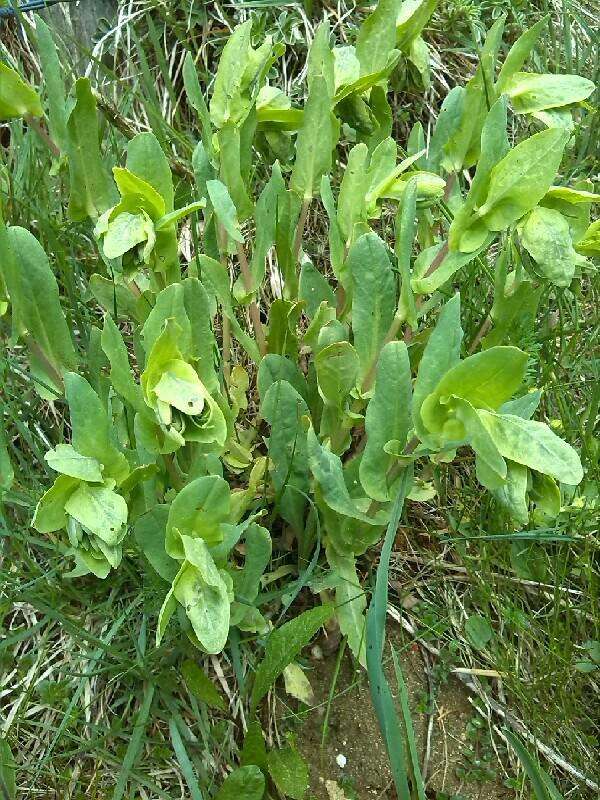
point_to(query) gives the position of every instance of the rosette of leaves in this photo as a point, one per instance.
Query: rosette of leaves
(213, 591)
(470, 401)
(140, 230)
(86, 499)
(183, 408)
(551, 99)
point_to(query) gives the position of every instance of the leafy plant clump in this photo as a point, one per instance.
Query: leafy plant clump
(258, 390)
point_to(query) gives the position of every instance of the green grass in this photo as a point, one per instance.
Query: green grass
(90, 707)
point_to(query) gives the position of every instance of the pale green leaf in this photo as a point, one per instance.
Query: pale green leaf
(485, 379)
(530, 92)
(198, 510)
(534, 445)
(546, 236)
(100, 510)
(337, 367)
(520, 180)
(17, 97)
(66, 460)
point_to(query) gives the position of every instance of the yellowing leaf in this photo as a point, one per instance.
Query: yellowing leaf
(17, 97)
(297, 684)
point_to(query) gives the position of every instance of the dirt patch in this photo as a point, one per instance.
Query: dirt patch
(353, 756)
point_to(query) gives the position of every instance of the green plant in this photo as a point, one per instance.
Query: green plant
(223, 404)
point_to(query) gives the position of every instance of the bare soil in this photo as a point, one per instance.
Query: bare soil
(354, 741)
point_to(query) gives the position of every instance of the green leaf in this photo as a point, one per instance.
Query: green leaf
(535, 445)
(546, 236)
(200, 588)
(245, 782)
(519, 53)
(17, 98)
(7, 771)
(450, 264)
(478, 631)
(377, 36)
(289, 772)
(373, 297)
(381, 695)
(520, 180)
(121, 376)
(543, 787)
(254, 750)
(314, 289)
(411, 19)
(92, 190)
(124, 233)
(442, 353)
(512, 495)
(283, 408)
(320, 62)
(337, 366)
(441, 145)
(146, 160)
(327, 470)
(198, 510)
(201, 686)
(405, 234)
(265, 217)
(174, 216)
(388, 417)
(7, 474)
(36, 308)
(314, 142)
(258, 554)
(149, 532)
(91, 430)
(589, 244)
(275, 367)
(224, 209)
(494, 147)
(50, 514)
(475, 432)
(530, 92)
(136, 192)
(239, 77)
(486, 380)
(99, 509)
(233, 151)
(353, 188)
(53, 83)
(216, 278)
(66, 460)
(283, 645)
(462, 147)
(350, 602)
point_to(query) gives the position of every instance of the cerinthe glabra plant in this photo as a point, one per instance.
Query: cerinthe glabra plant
(238, 402)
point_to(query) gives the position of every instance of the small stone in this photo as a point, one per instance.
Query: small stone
(340, 760)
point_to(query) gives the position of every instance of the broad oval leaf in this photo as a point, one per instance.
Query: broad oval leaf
(534, 445)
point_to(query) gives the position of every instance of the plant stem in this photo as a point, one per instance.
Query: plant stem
(300, 227)
(253, 308)
(43, 134)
